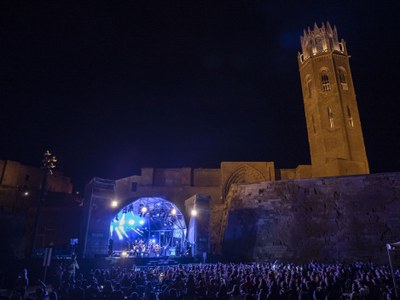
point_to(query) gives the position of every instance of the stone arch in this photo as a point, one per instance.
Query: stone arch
(243, 174)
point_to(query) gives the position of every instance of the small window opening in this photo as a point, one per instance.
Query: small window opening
(342, 80)
(350, 117)
(313, 124)
(309, 89)
(330, 116)
(326, 86)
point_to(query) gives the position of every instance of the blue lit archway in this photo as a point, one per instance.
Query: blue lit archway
(148, 227)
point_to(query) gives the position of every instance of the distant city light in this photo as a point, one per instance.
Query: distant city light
(26, 193)
(114, 203)
(194, 212)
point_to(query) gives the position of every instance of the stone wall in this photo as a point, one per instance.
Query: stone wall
(337, 218)
(16, 175)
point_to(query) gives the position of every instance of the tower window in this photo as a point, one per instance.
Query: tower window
(309, 88)
(330, 116)
(326, 86)
(342, 80)
(349, 117)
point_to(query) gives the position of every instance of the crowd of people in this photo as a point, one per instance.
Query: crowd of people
(214, 281)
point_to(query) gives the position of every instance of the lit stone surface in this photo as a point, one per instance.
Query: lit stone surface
(333, 121)
(338, 218)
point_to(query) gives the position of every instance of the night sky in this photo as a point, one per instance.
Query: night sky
(113, 86)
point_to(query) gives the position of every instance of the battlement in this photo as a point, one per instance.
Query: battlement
(320, 40)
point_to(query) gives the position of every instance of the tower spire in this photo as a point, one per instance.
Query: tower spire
(328, 25)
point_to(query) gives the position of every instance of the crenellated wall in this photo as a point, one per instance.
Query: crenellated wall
(337, 218)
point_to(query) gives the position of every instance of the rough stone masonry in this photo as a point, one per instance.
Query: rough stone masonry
(327, 219)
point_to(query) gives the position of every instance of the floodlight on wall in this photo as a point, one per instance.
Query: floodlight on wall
(193, 212)
(173, 212)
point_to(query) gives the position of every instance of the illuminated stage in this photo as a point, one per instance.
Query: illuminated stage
(148, 228)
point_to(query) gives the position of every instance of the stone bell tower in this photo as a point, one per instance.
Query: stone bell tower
(333, 122)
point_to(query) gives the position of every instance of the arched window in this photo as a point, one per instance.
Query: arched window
(350, 117)
(330, 116)
(313, 124)
(343, 79)
(308, 86)
(325, 84)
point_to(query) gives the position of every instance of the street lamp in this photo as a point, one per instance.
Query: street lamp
(48, 165)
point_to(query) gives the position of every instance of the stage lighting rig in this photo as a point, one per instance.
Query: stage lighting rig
(143, 210)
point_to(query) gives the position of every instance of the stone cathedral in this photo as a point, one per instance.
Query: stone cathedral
(331, 209)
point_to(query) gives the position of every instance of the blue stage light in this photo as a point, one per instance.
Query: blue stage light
(122, 221)
(119, 234)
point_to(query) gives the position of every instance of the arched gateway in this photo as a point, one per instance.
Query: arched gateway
(148, 227)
